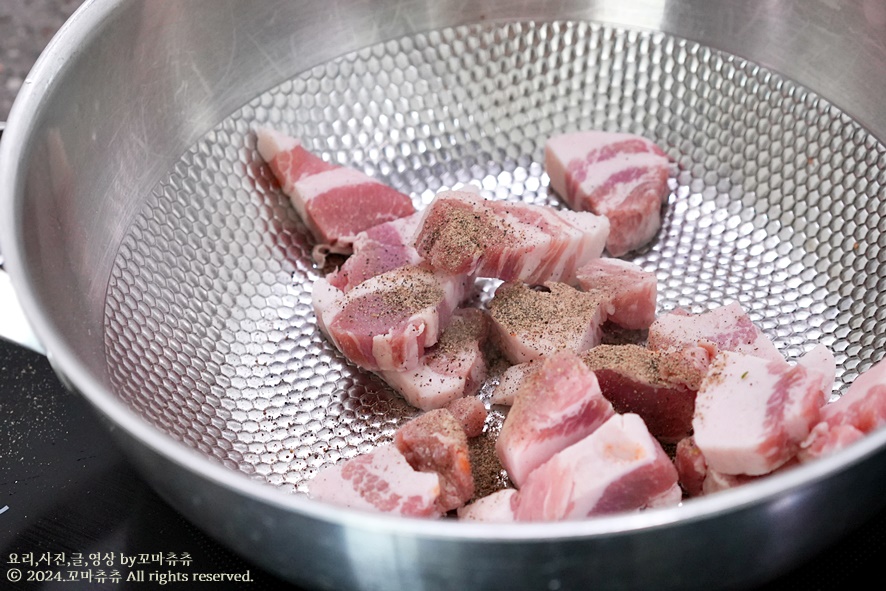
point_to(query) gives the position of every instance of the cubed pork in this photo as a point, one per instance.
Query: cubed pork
(534, 322)
(858, 412)
(386, 322)
(435, 442)
(691, 467)
(630, 379)
(726, 328)
(382, 481)
(493, 508)
(621, 176)
(751, 415)
(335, 202)
(379, 249)
(618, 467)
(452, 368)
(511, 380)
(632, 290)
(461, 232)
(556, 406)
(471, 414)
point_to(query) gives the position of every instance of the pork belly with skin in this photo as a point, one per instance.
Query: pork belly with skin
(632, 291)
(436, 443)
(452, 368)
(461, 232)
(381, 481)
(558, 405)
(388, 321)
(534, 322)
(631, 379)
(751, 414)
(726, 328)
(860, 410)
(618, 467)
(379, 249)
(335, 202)
(621, 176)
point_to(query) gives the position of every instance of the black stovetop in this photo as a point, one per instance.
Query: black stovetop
(69, 498)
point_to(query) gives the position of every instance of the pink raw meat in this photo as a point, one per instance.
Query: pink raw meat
(630, 379)
(379, 249)
(621, 176)
(752, 414)
(534, 322)
(435, 442)
(632, 291)
(691, 467)
(557, 405)
(386, 322)
(726, 328)
(381, 480)
(494, 508)
(335, 202)
(471, 414)
(859, 411)
(511, 380)
(452, 368)
(618, 467)
(463, 233)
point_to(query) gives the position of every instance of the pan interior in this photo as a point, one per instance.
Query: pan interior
(209, 330)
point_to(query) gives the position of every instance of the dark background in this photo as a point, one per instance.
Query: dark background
(64, 487)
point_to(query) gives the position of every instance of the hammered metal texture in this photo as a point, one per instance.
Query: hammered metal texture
(775, 203)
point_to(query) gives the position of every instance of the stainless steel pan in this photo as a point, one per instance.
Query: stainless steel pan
(168, 281)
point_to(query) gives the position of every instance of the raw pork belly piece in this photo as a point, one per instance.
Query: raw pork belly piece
(630, 379)
(618, 467)
(727, 328)
(633, 291)
(534, 322)
(821, 359)
(691, 467)
(435, 442)
(511, 380)
(452, 368)
(379, 249)
(558, 405)
(462, 232)
(751, 415)
(471, 414)
(386, 322)
(621, 176)
(858, 412)
(381, 480)
(335, 202)
(494, 508)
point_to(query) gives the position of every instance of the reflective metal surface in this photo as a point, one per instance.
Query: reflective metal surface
(168, 279)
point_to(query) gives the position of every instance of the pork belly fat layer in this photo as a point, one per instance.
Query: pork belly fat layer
(726, 328)
(452, 368)
(621, 176)
(557, 405)
(752, 414)
(386, 322)
(632, 291)
(463, 233)
(379, 249)
(619, 467)
(381, 481)
(532, 323)
(335, 202)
